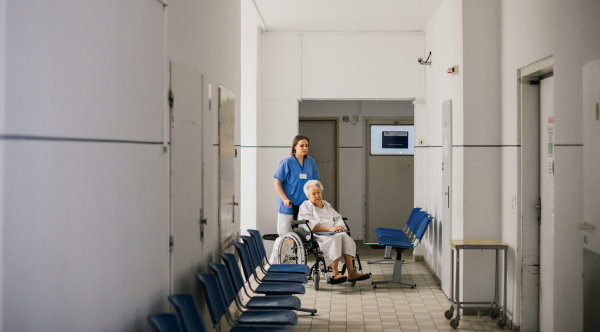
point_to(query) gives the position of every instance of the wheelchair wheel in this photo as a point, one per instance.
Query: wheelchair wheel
(316, 279)
(291, 250)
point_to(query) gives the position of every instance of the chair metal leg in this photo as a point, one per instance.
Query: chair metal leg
(311, 311)
(387, 256)
(397, 278)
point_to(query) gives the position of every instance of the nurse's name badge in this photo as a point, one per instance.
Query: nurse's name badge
(303, 176)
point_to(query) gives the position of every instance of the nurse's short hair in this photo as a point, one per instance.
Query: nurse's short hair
(312, 184)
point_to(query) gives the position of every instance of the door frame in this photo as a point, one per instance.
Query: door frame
(367, 122)
(337, 152)
(526, 268)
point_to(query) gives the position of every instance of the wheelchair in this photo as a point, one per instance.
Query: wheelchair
(295, 248)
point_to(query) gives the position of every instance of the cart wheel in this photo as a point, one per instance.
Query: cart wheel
(494, 313)
(316, 278)
(449, 313)
(454, 323)
(413, 287)
(352, 283)
(501, 323)
(374, 286)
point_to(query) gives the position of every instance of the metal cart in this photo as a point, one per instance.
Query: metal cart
(457, 305)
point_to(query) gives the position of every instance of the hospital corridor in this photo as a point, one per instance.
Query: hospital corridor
(299, 165)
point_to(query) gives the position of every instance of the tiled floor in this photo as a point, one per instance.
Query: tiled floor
(388, 308)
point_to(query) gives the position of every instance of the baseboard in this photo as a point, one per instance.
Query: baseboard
(421, 258)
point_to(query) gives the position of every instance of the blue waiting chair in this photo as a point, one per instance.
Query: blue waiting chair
(228, 290)
(257, 302)
(262, 256)
(414, 226)
(252, 320)
(271, 275)
(267, 287)
(414, 219)
(165, 323)
(406, 228)
(187, 309)
(410, 228)
(400, 245)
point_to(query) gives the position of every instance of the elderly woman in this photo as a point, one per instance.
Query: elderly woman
(323, 218)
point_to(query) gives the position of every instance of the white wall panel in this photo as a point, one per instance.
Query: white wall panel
(86, 242)
(570, 36)
(280, 65)
(277, 123)
(444, 39)
(266, 216)
(85, 69)
(362, 66)
(351, 189)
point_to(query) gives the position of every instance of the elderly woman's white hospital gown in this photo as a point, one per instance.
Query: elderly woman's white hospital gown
(332, 246)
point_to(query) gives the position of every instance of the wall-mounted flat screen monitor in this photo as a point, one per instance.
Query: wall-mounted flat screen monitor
(395, 140)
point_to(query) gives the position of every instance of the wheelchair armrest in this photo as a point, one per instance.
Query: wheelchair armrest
(299, 230)
(297, 223)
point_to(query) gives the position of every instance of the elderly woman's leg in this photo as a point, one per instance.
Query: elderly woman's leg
(348, 251)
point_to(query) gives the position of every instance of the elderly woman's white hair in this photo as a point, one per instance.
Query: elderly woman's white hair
(312, 184)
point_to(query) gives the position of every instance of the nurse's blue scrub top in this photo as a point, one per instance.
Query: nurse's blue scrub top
(293, 176)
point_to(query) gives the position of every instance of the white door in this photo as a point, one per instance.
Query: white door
(228, 230)
(591, 195)
(185, 178)
(546, 317)
(446, 222)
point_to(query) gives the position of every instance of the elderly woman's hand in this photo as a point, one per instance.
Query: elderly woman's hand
(337, 229)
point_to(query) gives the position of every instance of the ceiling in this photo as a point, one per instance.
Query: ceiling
(346, 15)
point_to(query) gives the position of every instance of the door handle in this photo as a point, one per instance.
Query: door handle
(445, 193)
(538, 206)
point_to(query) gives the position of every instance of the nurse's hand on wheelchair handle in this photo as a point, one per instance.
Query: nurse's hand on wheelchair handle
(287, 203)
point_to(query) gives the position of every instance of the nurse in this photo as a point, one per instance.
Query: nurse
(292, 174)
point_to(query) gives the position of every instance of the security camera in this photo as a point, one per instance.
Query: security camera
(426, 62)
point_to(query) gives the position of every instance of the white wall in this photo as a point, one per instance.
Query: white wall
(250, 56)
(86, 224)
(464, 33)
(2, 124)
(489, 49)
(444, 38)
(568, 31)
(297, 66)
(351, 186)
(206, 35)
(362, 66)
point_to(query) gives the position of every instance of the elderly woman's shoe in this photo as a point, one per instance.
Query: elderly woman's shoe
(337, 279)
(359, 276)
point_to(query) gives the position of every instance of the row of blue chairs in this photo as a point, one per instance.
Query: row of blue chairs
(270, 310)
(401, 240)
